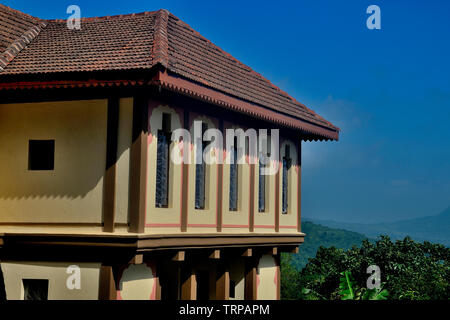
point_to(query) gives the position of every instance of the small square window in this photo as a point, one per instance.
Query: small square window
(41, 155)
(34, 289)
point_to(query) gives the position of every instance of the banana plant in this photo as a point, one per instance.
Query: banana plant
(349, 291)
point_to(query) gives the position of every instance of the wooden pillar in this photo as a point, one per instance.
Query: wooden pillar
(250, 278)
(188, 284)
(107, 286)
(185, 182)
(252, 198)
(138, 170)
(158, 286)
(220, 183)
(109, 182)
(222, 283)
(278, 271)
(299, 187)
(277, 197)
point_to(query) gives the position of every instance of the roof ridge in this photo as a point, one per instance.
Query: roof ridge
(160, 48)
(117, 16)
(19, 44)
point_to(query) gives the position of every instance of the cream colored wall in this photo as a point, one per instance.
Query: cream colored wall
(236, 221)
(163, 219)
(288, 221)
(123, 159)
(265, 221)
(202, 220)
(73, 191)
(267, 278)
(138, 282)
(15, 271)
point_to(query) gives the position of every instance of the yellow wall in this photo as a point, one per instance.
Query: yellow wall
(265, 221)
(163, 219)
(123, 159)
(137, 283)
(15, 271)
(288, 221)
(202, 220)
(236, 221)
(267, 278)
(73, 191)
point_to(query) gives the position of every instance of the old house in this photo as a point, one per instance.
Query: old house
(92, 207)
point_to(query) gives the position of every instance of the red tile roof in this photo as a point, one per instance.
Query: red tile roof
(142, 41)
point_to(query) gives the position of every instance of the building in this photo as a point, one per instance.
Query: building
(90, 205)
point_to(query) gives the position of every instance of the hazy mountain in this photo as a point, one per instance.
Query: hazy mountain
(430, 228)
(318, 235)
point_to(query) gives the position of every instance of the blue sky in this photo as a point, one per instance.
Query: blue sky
(388, 90)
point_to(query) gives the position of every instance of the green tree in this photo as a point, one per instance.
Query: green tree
(410, 270)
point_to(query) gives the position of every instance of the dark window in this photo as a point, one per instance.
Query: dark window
(286, 167)
(41, 154)
(200, 171)
(261, 187)
(234, 179)
(262, 178)
(35, 289)
(232, 289)
(163, 162)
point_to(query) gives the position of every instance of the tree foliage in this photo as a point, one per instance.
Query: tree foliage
(409, 270)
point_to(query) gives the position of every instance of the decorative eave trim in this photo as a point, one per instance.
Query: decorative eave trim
(18, 45)
(203, 93)
(70, 84)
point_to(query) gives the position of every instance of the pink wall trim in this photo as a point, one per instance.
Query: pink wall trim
(235, 226)
(202, 225)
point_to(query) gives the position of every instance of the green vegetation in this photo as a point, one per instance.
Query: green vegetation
(350, 291)
(318, 235)
(409, 270)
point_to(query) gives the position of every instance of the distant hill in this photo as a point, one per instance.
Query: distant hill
(431, 228)
(318, 235)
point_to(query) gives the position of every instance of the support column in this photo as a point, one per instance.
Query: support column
(278, 270)
(138, 170)
(185, 181)
(299, 188)
(252, 198)
(107, 285)
(188, 284)
(222, 283)
(109, 182)
(220, 183)
(250, 279)
(158, 286)
(277, 198)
